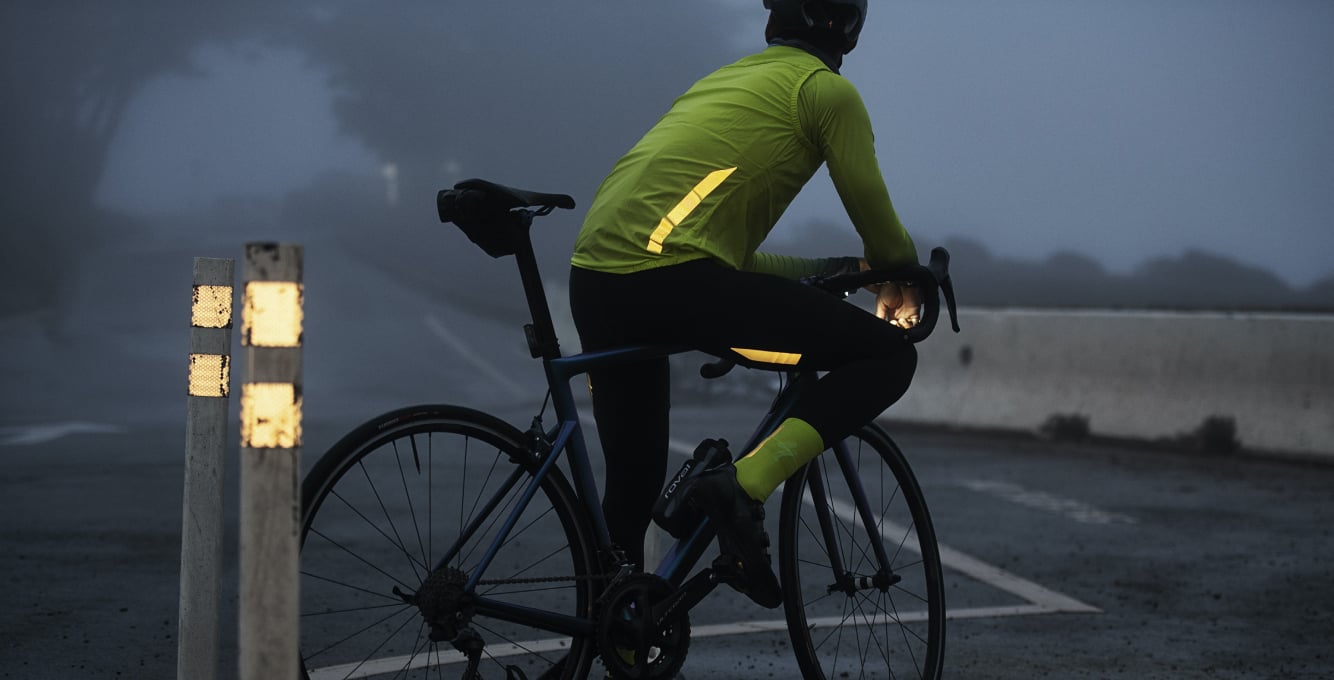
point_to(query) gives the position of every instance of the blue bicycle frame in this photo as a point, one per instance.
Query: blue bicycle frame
(682, 556)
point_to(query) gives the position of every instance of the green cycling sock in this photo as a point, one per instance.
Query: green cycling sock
(791, 446)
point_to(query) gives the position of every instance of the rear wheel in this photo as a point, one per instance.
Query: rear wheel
(850, 615)
(411, 488)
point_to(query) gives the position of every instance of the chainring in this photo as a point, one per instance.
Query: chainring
(632, 646)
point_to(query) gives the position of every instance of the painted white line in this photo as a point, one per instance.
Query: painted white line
(1045, 600)
(456, 343)
(401, 664)
(780, 625)
(1000, 579)
(41, 434)
(1049, 600)
(1069, 508)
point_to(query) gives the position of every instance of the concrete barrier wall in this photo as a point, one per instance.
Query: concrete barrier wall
(1133, 374)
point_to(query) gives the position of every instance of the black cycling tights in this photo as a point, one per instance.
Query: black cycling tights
(705, 306)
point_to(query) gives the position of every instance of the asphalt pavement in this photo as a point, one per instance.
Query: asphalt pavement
(1063, 560)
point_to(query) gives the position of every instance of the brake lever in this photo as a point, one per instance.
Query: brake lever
(940, 271)
(947, 288)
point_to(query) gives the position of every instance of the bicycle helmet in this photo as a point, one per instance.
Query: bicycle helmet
(836, 16)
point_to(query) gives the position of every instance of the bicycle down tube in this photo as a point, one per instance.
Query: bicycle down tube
(569, 433)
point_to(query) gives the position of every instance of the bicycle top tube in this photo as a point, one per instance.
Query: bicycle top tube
(567, 367)
(564, 368)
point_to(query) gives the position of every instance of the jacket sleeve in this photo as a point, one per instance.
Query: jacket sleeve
(790, 267)
(833, 117)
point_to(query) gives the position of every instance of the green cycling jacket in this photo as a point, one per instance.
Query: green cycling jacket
(712, 178)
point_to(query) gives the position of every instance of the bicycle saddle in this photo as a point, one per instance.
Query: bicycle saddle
(510, 198)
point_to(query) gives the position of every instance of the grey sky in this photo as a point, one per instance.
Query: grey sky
(1124, 130)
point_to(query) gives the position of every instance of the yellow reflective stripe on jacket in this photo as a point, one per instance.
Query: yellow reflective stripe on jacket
(685, 207)
(769, 357)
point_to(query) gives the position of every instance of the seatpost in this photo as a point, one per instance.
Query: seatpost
(542, 341)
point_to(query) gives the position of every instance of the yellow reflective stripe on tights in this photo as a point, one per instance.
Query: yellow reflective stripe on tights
(768, 357)
(685, 207)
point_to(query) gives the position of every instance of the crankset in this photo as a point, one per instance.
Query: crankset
(634, 643)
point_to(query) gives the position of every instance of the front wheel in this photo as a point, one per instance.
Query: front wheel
(862, 582)
(415, 488)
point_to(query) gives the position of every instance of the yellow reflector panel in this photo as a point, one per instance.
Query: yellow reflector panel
(687, 205)
(270, 416)
(212, 307)
(210, 375)
(272, 315)
(768, 357)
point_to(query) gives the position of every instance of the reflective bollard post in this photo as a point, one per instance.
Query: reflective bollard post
(205, 447)
(271, 330)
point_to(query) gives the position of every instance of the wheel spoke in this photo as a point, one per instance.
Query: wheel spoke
(398, 546)
(407, 495)
(398, 539)
(363, 560)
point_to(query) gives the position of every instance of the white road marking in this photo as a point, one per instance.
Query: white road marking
(41, 434)
(400, 664)
(1040, 600)
(1045, 599)
(1070, 508)
(464, 350)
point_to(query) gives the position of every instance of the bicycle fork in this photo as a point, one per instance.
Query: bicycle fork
(845, 581)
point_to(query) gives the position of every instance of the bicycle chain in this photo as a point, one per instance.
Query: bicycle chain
(543, 579)
(612, 577)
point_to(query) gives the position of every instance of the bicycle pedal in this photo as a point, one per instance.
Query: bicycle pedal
(727, 569)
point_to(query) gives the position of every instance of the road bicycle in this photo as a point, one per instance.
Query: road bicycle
(439, 539)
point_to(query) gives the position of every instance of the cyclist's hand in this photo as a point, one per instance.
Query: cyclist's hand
(899, 303)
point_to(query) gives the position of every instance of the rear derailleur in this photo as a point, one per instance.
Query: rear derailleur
(447, 609)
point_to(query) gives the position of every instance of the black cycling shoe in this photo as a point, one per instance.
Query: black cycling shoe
(739, 521)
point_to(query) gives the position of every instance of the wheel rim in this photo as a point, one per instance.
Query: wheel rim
(382, 513)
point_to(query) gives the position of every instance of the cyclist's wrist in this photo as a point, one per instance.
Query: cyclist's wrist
(838, 266)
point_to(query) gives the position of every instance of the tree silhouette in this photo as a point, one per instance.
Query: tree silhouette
(1201, 280)
(1320, 295)
(543, 96)
(69, 69)
(1191, 280)
(547, 94)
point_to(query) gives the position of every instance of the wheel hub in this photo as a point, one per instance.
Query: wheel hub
(849, 584)
(443, 604)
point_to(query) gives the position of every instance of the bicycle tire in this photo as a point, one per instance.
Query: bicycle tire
(383, 505)
(862, 630)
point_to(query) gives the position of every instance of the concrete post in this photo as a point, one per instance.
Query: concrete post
(271, 330)
(205, 446)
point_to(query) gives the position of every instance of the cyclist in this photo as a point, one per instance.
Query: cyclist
(668, 255)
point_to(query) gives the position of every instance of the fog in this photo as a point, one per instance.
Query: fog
(1088, 153)
(1126, 131)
